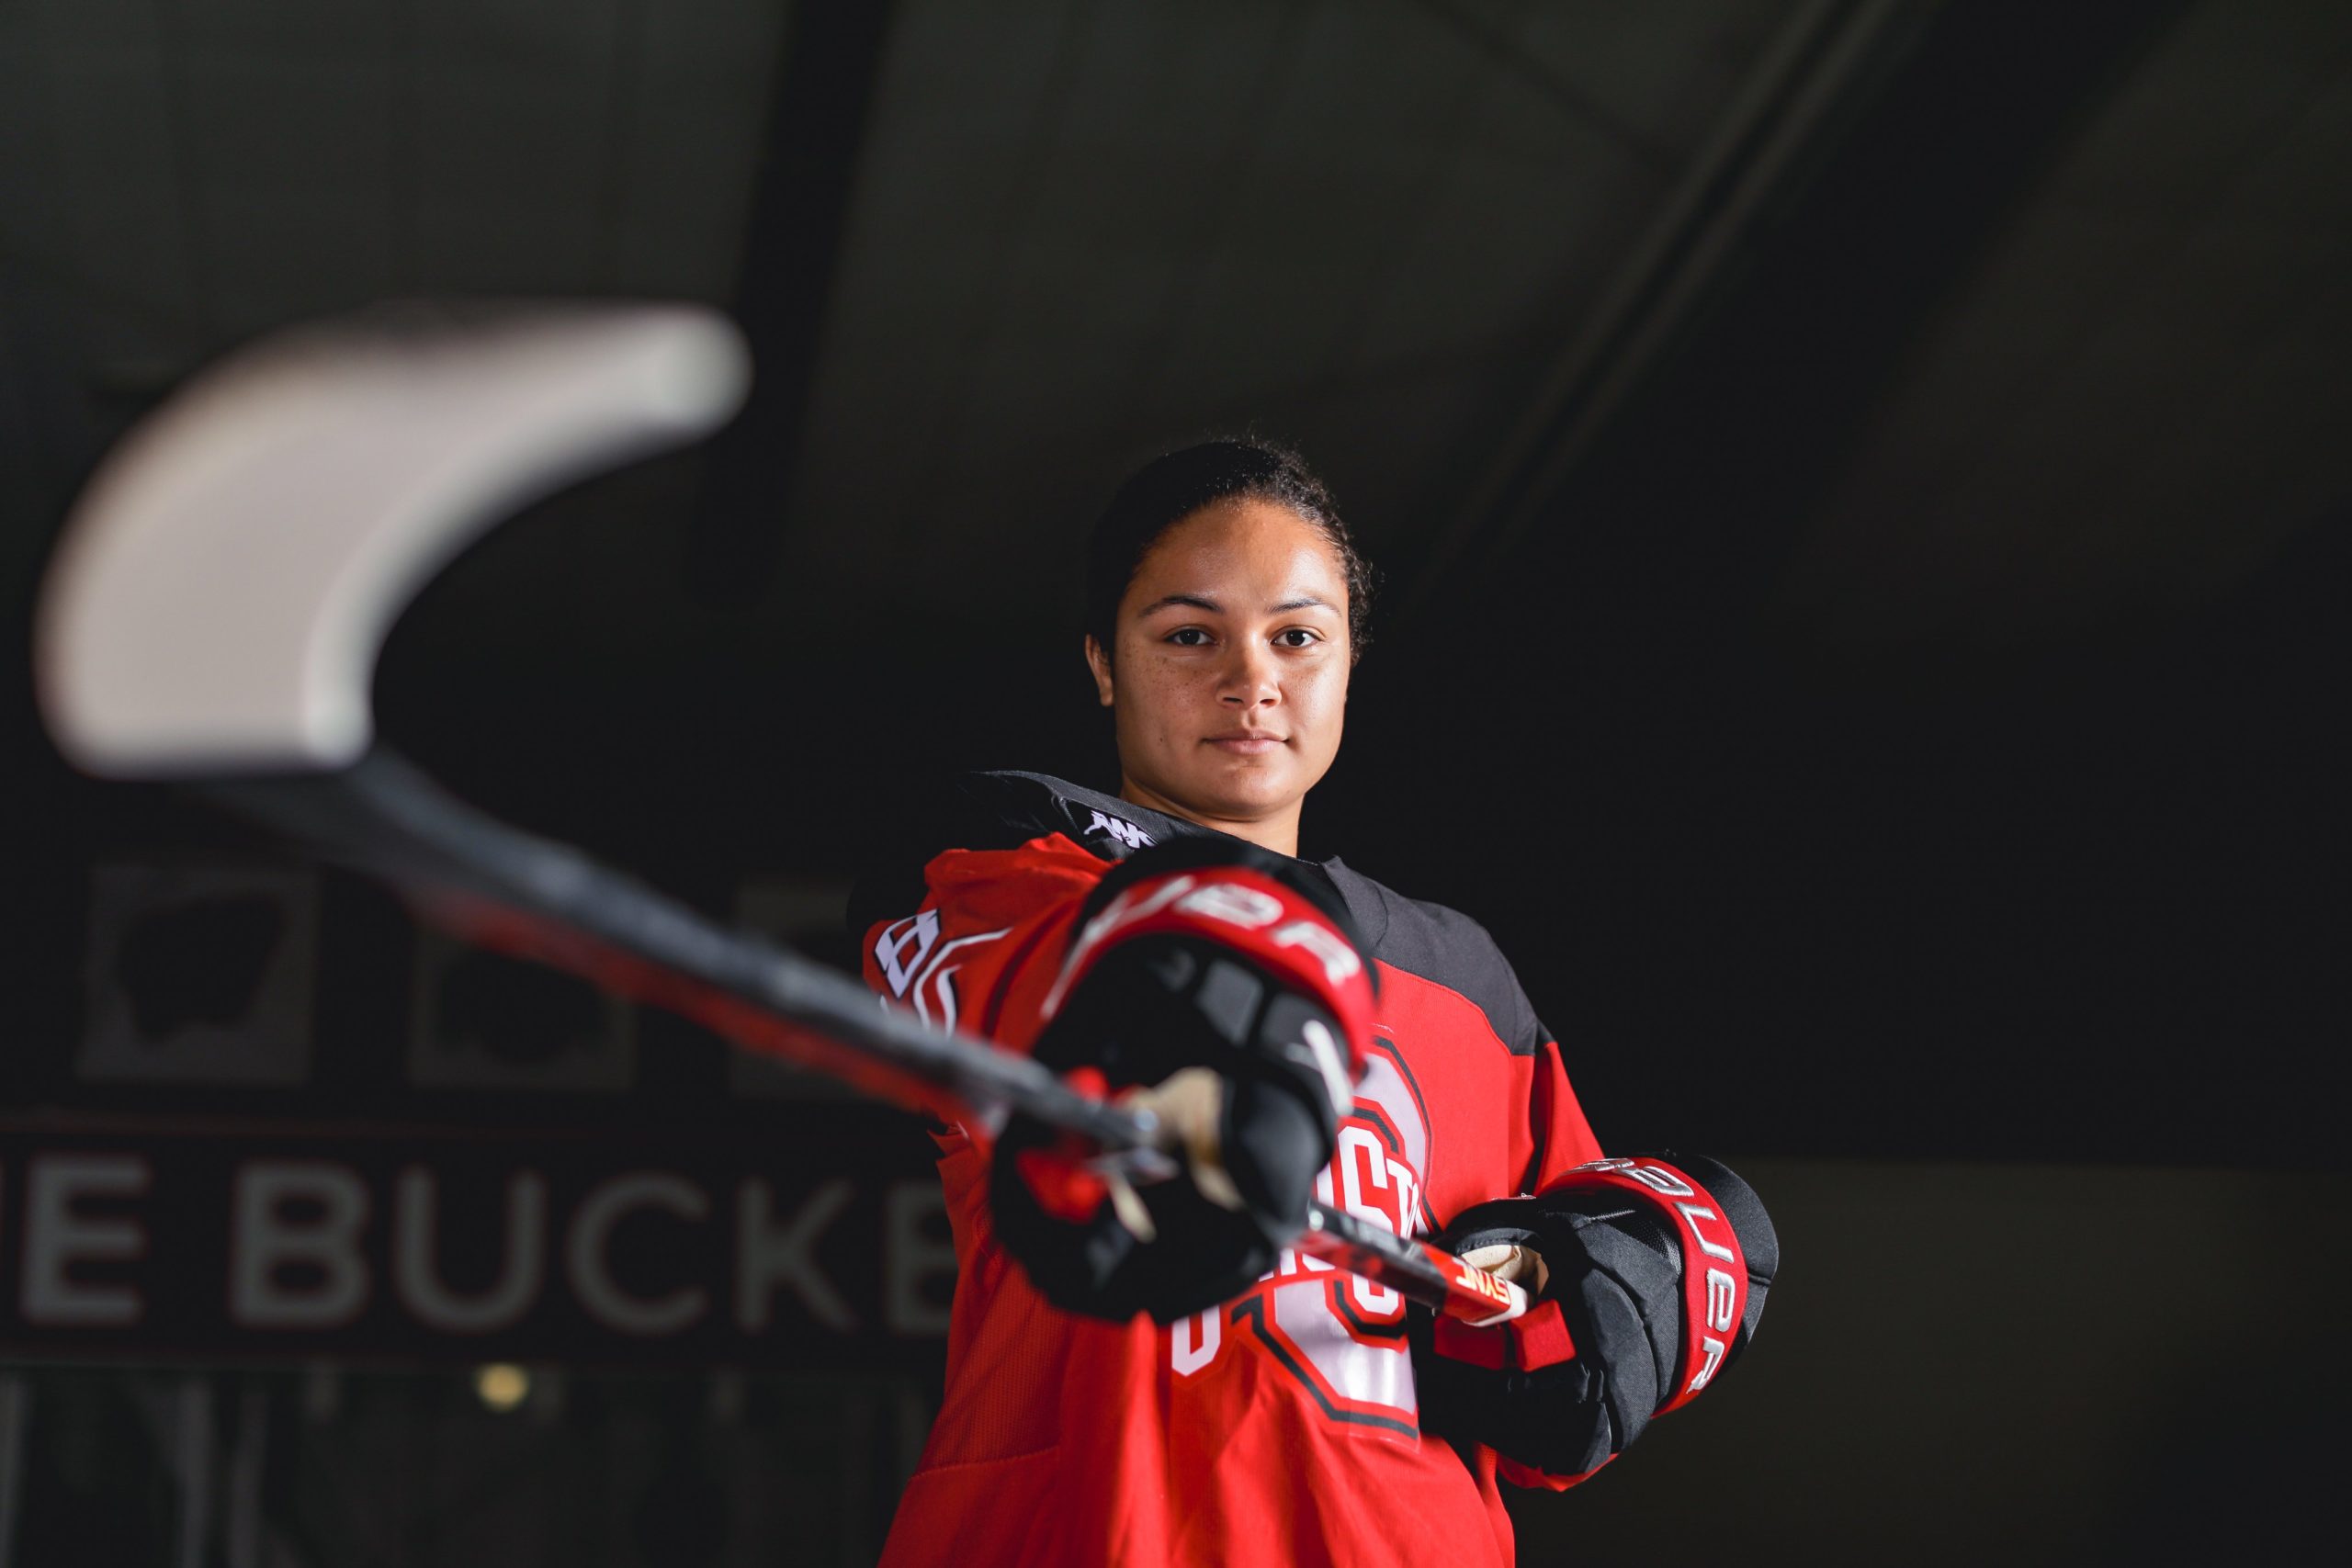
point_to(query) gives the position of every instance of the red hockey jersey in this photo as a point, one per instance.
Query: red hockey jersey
(1278, 1428)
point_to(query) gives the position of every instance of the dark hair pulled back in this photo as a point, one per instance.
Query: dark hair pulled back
(1166, 490)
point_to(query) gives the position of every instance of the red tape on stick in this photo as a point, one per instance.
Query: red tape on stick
(1540, 1338)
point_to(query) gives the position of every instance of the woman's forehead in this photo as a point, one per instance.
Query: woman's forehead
(1240, 554)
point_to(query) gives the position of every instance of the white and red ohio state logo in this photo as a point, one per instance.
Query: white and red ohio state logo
(1340, 1334)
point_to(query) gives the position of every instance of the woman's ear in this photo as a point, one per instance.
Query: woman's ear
(1099, 662)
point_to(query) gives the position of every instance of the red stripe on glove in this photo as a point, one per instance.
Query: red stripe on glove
(1276, 926)
(1714, 1270)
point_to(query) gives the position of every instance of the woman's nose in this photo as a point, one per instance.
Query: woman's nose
(1250, 680)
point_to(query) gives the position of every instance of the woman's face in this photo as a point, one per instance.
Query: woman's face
(1229, 679)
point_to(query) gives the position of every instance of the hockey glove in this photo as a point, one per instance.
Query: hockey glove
(1650, 1279)
(1216, 974)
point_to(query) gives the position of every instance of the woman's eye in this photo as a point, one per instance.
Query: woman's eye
(1187, 637)
(1297, 636)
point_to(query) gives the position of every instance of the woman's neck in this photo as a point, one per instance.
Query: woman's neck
(1278, 832)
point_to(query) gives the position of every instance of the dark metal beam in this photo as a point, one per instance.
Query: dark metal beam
(1663, 472)
(826, 84)
(1826, 55)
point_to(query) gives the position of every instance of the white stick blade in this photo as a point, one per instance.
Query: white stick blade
(228, 576)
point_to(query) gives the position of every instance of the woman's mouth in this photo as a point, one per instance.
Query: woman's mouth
(1247, 743)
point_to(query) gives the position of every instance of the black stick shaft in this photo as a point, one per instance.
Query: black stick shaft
(493, 881)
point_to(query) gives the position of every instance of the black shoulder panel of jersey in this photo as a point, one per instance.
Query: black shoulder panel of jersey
(1446, 946)
(992, 811)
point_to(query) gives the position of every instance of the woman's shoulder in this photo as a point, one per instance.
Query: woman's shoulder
(986, 811)
(1440, 944)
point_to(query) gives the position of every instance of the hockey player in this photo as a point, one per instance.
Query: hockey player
(1149, 1376)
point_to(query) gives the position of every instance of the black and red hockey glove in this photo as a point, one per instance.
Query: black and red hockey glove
(1216, 976)
(1651, 1280)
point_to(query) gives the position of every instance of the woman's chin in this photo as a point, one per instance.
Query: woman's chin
(1243, 795)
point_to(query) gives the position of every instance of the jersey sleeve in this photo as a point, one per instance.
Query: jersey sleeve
(980, 949)
(963, 910)
(1549, 1135)
(1563, 1140)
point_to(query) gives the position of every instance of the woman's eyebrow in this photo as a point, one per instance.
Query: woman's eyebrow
(1194, 601)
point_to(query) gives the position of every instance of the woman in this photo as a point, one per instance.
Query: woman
(1152, 1378)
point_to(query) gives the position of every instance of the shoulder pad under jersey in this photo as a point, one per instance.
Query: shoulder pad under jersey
(1443, 945)
(994, 811)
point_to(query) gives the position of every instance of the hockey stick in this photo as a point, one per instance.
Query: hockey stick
(214, 613)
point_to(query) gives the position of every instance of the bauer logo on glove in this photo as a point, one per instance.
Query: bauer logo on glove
(1651, 1278)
